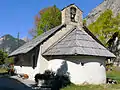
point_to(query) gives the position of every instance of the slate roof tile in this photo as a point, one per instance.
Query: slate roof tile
(78, 42)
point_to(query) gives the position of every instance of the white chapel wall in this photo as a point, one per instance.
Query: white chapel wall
(92, 72)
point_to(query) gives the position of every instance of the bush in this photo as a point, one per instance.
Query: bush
(11, 70)
(53, 80)
(3, 56)
(60, 81)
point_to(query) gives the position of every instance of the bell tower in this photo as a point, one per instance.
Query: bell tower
(72, 15)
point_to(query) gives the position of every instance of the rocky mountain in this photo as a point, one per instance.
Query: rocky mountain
(114, 5)
(8, 43)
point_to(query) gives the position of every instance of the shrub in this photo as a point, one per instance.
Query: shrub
(11, 70)
(53, 80)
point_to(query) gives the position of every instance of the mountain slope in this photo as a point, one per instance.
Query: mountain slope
(8, 43)
(113, 5)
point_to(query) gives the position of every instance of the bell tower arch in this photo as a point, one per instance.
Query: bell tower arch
(72, 15)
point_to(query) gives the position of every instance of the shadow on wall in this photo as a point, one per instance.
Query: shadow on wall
(63, 68)
(12, 84)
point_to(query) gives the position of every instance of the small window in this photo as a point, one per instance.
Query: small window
(16, 60)
(72, 14)
(21, 60)
(82, 64)
(33, 61)
(21, 63)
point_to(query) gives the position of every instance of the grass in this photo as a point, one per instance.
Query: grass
(93, 87)
(114, 74)
(3, 70)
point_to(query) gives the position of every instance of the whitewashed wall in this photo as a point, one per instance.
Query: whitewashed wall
(43, 63)
(93, 71)
(26, 70)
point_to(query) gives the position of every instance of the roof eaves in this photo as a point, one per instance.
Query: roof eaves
(81, 55)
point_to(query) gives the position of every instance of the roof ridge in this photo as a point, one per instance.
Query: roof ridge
(75, 51)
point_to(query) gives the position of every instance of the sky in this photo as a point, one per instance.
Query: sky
(18, 15)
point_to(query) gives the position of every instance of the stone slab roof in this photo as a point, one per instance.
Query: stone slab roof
(78, 42)
(33, 43)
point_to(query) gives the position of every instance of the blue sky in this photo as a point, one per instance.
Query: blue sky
(18, 15)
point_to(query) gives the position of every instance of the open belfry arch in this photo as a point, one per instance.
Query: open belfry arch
(69, 47)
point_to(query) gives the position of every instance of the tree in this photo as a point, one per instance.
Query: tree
(105, 26)
(2, 57)
(46, 19)
(9, 60)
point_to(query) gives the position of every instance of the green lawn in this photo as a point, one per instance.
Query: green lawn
(93, 87)
(114, 74)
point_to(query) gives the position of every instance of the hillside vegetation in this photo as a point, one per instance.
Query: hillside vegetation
(105, 26)
(113, 5)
